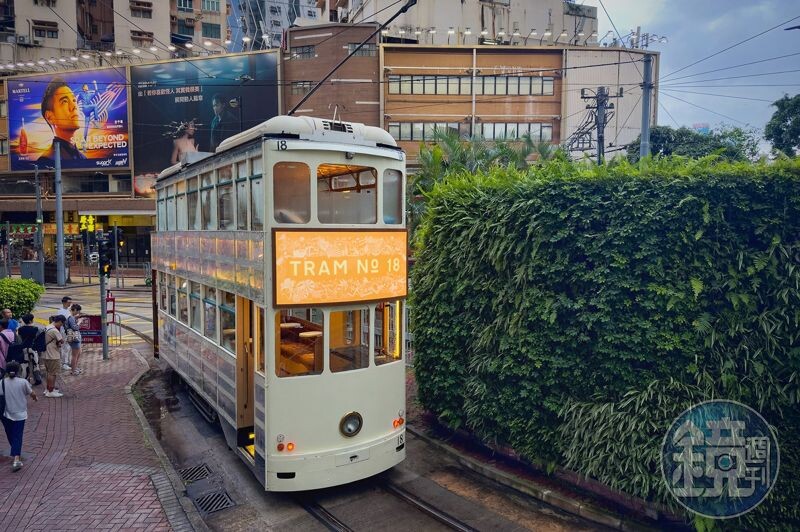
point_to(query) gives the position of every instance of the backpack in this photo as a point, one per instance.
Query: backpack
(15, 352)
(40, 342)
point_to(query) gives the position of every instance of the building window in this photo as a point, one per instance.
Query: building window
(276, 23)
(185, 29)
(368, 50)
(3, 146)
(185, 5)
(512, 130)
(3, 108)
(45, 3)
(462, 85)
(141, 9)
(421, 130)
(274, 10)
(311, 13)
(45, 29)
(211, 31)
(303, 52)
(301, 87)
(141, 38)
(211, 5)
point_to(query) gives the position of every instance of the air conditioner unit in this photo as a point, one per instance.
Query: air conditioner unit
(22, 39)
(37, 42)
(189, 21)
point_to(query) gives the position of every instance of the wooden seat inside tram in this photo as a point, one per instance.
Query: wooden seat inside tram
(301, 347)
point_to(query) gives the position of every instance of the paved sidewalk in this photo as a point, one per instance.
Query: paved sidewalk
(87, 462)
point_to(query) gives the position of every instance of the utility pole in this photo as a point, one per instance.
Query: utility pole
(103, 272)
(116, 254)
(39, 223)
(602, 107)
(602, 102)
(60, 272)
(647, 88)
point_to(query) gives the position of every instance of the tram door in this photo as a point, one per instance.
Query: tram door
(247, 342)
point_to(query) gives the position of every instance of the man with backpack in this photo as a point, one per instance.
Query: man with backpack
(66, 350)
(33, 343)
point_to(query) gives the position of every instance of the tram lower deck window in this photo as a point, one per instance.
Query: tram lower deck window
(388, 332)
(349, 340)
(347, 194)
(299, 342)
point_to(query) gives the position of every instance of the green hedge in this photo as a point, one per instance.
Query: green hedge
(19, 295)
(543, 302)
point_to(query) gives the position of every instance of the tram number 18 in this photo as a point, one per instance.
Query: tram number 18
(281, 145)
(401, 439)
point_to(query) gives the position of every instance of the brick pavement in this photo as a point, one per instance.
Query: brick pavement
(87, 463)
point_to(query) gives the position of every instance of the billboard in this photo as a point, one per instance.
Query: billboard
(336, 267)
(86, 111)
(192, 105)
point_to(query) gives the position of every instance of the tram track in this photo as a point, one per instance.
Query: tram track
(321, 514)
(439, 515)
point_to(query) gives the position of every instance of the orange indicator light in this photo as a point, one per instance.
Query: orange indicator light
(290, 446)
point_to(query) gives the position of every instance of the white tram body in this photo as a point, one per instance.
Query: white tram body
(280, 271)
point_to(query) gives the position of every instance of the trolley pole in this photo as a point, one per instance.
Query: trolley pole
(103, 315)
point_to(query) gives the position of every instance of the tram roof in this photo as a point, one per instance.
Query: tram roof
(301, 127)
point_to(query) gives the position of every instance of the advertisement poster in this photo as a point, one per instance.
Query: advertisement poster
(86, 112)
(193, 105)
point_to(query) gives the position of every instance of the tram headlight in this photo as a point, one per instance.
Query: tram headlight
(351, 424)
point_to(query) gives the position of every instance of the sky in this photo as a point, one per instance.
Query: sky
(696, 29)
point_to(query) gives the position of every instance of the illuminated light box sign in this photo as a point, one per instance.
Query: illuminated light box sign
(313, 267)
(86, 111)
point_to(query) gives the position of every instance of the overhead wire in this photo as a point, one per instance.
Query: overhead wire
(717, 95)
(705, 109)
(664, 107)
(727, 48)
(736, 66)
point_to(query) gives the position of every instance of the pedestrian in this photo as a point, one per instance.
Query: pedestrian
(12, 323)
(15, 392)
(66, 351)
(28, 334)
(52, 354)
(10, 338)
(73, 337)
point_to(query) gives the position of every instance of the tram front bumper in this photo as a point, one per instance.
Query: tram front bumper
(298, 472)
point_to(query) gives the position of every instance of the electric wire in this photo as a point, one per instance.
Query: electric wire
(618, 33)
(736, 66)
(706, 109)
(667, 84)
(664, 107)
(726, 48)
(717, 95)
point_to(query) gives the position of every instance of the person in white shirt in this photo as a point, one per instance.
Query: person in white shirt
(66, 350)
(15, 391)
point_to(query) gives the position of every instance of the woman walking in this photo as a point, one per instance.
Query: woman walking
(74, 337)
(15, 390)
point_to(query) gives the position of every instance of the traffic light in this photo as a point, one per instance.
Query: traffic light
(105, 249)
(117, 237)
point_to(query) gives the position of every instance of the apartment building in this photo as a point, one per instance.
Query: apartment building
(453, 22)
(353, 93)
(199, 26)
(261, 23)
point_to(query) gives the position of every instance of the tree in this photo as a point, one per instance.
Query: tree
(731, 143)
(783, 129)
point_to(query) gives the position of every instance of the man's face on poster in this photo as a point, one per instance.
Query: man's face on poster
(63, 113)
(218, 106)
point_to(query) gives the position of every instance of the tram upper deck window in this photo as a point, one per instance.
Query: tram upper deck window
(392, 196)
(299, 342)
(257, 204)
(171, 208)
(193, 213)
(208, 208)
(226, 210)
(292, 192)
(347, 194)
(242, 201)
(349, 340)
(180, 190)
(388, 332)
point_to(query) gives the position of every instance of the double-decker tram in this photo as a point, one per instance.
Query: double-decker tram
(280, 271)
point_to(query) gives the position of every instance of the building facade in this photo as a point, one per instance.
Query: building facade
(260, 24)
(509, 22)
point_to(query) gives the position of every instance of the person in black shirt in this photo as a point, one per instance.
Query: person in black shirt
(27, 333)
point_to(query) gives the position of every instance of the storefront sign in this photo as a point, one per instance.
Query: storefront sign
(338, 267)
